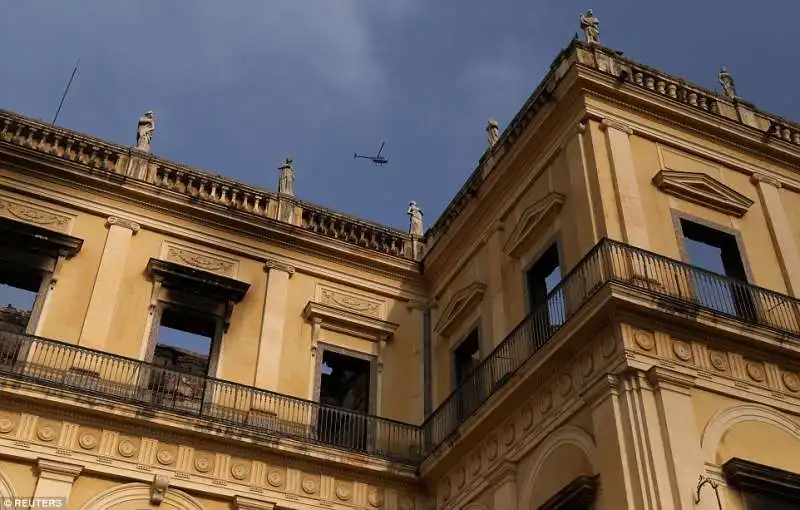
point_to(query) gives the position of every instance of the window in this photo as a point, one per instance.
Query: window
(579, 494)
(345, 383)
(466, 357)
(541, 279)
(192, 310)
(763, 487)
(717, 252)
(19, 290)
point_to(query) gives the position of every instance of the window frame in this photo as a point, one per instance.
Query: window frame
(555, 239)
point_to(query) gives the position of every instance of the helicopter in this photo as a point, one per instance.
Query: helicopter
(377, 159)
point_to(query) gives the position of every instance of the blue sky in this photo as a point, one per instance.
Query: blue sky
(237, 86)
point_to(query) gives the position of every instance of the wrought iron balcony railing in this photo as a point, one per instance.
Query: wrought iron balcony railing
(222, 405)
(242, 409)
(676, 284)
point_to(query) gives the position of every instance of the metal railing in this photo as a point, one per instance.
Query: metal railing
(242, 409)
(683, 287)
(222, 405)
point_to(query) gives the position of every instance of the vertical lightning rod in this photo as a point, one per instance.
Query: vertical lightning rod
(64, 96)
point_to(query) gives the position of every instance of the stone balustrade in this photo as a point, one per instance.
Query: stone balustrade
(199, 185)
(655, 81)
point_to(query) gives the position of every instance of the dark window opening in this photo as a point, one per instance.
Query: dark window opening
(19, 288)
(345, 393)
(345, 382)
(542, 278)
(718, 252)
(466, 357)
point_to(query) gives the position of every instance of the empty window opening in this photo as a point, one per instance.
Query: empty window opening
(184, 341)
(717, 252)
(542, 278)
(345, 381)
(466, 357)
(19, 288)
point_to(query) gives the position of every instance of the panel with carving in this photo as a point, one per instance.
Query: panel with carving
(200, 259)
(349, 301)
(35, 215)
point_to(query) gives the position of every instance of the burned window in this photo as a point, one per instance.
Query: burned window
(184, 340)
(542, 278)
(466, 357)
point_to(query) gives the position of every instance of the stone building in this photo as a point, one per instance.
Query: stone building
(608, 318)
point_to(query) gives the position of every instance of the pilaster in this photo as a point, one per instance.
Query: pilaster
(503, 480)
(55, 479)
(629, 198)
(496, 294)
(780, 230)
(270, 342)
(103, 302)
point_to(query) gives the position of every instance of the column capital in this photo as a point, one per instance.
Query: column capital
(665, 379)
(124, 223)
(422, 304)
(277, 265)
(767, 179)
(55, 470)
(243, 503)
(606, 386)
(616, 124)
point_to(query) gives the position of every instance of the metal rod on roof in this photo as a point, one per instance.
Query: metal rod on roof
(64, 96)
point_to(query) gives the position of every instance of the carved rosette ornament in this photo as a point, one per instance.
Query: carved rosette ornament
(547, 402)
(375, 497)
(564, 384)
(755, 371)
(405, 502)
(682, 350)
(791, 381)
(166, 457)
(7, 424)
(240, 471)
(645, 340)
(202, 463)
(719, 360)
(309, 485)
(88, 441)
(343, 492)
(475, 464)
(274, 478)
(127, 448)
(527, 418)
(46, 433)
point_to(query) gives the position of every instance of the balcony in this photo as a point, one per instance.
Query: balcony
(215, 403)
(672, 285)
(669, 284)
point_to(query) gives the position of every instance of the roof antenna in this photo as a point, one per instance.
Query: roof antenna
(63, 97)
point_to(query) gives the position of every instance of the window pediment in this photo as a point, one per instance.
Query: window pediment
(39, 239)
(462, 303)
(531, 221)
(197, 281)
(703, 190)
(349, 323)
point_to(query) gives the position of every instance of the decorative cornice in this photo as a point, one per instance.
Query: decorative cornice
(753, 477)
(277, 265)
(665, 379)
(349, 323)
(124, 223)
(531, 221)
(704, 190)
(462, 302)
(243, 503)
(757, 178)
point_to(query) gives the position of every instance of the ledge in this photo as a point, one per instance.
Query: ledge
(197, 281)
(349, 323)
(38, 239)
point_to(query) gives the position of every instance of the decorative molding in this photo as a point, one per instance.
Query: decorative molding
(243, 503)
(767, 179)
(350, 301)
(462, 302)
(703, 190)
(130, 494)
(124, 223)
(277, 265)
(530, 222)
(751, 477)
(608, 123)
(158, 489)
(349, 323)
(35, 215)
(200, 259)
(56, 470)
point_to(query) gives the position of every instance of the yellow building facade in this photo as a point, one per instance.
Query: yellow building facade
(606, 316)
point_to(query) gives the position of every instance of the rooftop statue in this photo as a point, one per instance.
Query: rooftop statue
(286, 179)
(591, 27)
(492, 132)
(728, 86)
(144, 133)
(415, 216)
